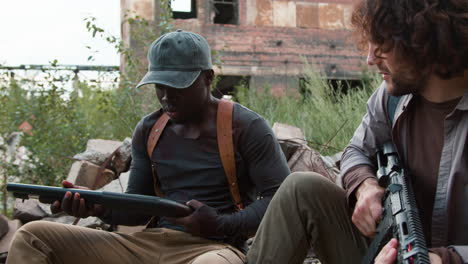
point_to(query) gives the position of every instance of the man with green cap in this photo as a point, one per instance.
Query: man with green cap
(184, 163)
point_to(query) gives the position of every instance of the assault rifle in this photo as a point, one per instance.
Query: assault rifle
(144, 204)
(400, 218)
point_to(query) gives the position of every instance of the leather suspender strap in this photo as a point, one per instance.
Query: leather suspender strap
(155, 134)
(226, 148)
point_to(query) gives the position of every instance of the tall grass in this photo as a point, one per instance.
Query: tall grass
(328, 117)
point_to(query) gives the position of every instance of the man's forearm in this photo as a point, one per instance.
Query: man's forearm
(448, 255)
(244, 222)
(354, 178)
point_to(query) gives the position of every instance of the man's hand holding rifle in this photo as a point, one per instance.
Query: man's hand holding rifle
(73, 204)
(399, 218)
(81, 202)
(367, 214)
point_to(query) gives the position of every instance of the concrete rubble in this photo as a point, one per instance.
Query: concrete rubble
(300, 156)
(102, 162)
(104, 166)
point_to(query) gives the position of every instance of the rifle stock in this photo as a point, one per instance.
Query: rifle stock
(400, 217)
(144, 204)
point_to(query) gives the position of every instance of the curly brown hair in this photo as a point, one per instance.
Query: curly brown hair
(425, 34)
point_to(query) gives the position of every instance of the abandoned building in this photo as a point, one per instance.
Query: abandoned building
(267, 42)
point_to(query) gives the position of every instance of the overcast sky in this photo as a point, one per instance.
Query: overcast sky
(39, 31)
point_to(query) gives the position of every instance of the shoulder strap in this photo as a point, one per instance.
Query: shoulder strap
(226, 148)
(392, 106)
(155, 134)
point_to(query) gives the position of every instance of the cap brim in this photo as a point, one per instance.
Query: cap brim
(175, 79)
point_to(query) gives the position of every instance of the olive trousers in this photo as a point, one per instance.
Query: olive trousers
(47, 242)
(308, 210)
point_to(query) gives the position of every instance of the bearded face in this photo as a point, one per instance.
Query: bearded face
(400, 78)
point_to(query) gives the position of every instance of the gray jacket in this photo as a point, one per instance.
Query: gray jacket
(450, 213)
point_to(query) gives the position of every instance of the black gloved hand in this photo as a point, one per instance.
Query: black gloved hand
(204, 221)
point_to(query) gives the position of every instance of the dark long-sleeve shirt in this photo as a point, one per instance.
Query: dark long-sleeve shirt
(191, 169)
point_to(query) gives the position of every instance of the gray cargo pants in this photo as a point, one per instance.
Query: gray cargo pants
(307, 210)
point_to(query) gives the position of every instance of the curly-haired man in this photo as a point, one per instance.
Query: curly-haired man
(420, 48)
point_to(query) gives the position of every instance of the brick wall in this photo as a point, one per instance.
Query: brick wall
(277, 37)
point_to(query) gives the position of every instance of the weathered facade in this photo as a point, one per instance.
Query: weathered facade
(270, 41)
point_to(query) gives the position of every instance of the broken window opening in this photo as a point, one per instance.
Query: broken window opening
(343, 86)
(339, 86)
(304, 89)
(225, 12)
(184, 9)
(227, 84)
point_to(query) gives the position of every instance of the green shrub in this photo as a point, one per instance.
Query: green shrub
(64, 121)
(327, 117)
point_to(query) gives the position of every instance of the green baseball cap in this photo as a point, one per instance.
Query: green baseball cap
(176, 59)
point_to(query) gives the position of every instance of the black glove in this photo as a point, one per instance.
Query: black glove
(204, 221)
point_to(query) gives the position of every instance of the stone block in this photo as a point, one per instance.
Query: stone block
(264, 13)
(307, 15)
(289, 137)
(144, 8)
(61, 218)
(299, 155)
(331, 16)
(99, 152)
(284, 14)
(28, 210)
(347, 13)
(102, 145)
(118, 185)
(307, 159)
(123, 157)
(93, 156)
(287, 132)
(251, 12)
(85, 173)
(93, 222)
(45, 207)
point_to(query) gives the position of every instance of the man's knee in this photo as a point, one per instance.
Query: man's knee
(221, 256)
(32, 231)
(26, 240)
(36, 228)
(31, 228)
(305, 183)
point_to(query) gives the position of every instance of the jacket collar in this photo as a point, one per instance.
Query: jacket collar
(463, 104)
